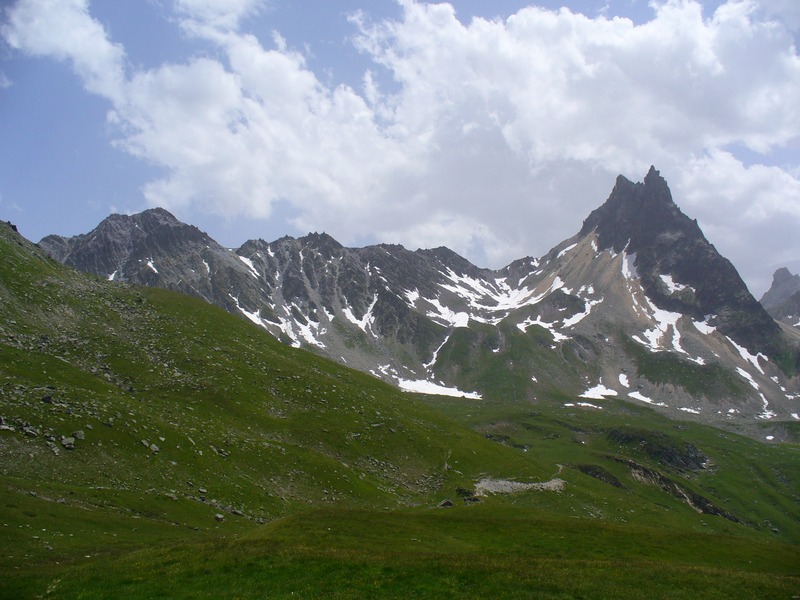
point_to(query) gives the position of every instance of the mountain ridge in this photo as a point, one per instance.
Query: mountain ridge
(638, 282)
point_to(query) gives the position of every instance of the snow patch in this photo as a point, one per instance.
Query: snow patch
(751, 358)
(412, 296)
(423, 386)
(584, 405)
(557, 336)
(693, 411)
(577, 318)
(642, 398)
(748, 377)
(436, 354)
(367, 320)
(623, 379)
(450, 317)
(112, 276)
(664, 321)
(151, 265)
(598, 392)
(672, 285)
(628, 268)
(565, 250)
(255, 317)
(767, 414)
(704, 327)
(250, 265)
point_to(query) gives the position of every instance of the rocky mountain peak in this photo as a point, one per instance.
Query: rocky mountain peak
(784, 285)
(642, 220)
(120, 243)
(322, 243)
(637, 213)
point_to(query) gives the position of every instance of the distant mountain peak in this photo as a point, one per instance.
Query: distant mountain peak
(322, 242)
(783, 283)
(784, 287)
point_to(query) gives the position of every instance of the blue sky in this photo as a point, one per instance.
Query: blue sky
(491, 127)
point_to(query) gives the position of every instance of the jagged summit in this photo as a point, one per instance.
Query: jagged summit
(635, 213)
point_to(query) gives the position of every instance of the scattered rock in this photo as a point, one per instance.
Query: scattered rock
(504, 486)
(219, 517)
(79, 435)
(68, 443)
(446, 504)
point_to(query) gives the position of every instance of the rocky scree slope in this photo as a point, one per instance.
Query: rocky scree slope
(637, 305)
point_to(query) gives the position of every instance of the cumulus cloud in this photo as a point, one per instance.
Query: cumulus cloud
(64, 29)
(750, 213)
(495, 138)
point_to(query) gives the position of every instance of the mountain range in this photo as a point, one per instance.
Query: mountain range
(637, 305)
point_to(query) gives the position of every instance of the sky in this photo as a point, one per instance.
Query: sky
(493, 128)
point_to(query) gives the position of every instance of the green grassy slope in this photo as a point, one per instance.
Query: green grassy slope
(153, 445)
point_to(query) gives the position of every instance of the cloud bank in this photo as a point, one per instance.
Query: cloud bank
(493, 137)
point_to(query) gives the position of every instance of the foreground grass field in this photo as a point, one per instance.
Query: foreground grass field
(153, 446)
(470, 552)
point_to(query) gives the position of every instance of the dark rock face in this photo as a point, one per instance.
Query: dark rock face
(642, 219)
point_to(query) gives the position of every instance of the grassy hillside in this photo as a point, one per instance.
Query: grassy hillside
(153, 445)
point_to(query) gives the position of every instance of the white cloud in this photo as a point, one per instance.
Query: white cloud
(63, 29)
(223, 14)
(786, 11)
(496, 139)
(749, 213)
